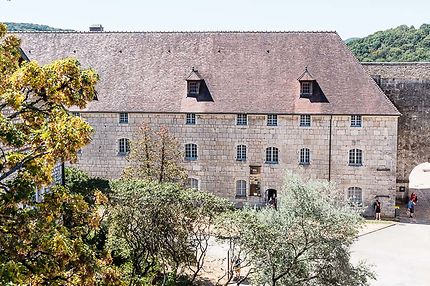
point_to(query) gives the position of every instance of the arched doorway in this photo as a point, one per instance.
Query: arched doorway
(419, 183)
(420, 177)
(272, 198)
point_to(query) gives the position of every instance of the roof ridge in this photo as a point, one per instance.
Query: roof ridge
(174, 32)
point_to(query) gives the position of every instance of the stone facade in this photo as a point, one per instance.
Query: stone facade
(217, 136)
(407, 85)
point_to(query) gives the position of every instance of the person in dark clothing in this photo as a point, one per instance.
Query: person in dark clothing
(377, 210)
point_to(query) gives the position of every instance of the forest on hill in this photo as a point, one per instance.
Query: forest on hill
(401, 44)
(30, 27)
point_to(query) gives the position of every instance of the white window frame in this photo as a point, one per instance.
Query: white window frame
(191, 119)
(242, 119)
(305, 156)
(193, 183)
(306, 90)
(241, 152)
(355, 196)
(123, 118)
(241, 188)
(272, 155)
(272, 120)
(305, 120)
(356, 121)
(123, 146)
(355, 157)
(191, 152)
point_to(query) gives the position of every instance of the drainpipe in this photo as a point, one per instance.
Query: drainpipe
(329, 148)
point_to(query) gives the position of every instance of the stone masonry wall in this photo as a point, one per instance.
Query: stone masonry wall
(217, 136)
(407, 85)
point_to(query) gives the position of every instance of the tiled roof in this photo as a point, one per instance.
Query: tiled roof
(245, 72)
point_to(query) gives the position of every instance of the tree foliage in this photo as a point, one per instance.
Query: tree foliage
(36, 131)
(155, 156)
(305, 242)
(161, 228)
(44, 243)
(401, 44)
(31, 27)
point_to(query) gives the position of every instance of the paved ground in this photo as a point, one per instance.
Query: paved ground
(399, 252)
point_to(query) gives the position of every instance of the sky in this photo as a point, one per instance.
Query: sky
(356, 18)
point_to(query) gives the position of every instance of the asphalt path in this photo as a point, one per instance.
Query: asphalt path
(399, 253)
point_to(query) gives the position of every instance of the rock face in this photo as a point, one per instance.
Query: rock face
(407, 85)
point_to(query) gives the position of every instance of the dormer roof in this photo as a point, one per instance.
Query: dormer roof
(306, 76)
(194, 75)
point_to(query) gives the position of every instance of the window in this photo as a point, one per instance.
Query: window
(306, 87)
(355, 196)
(123, 118)
(76, 113)
(272, 155)
(190, 151)
(272, 120)
(124, 146)
(241, 188)
(305, 120)
(193, 87)
(242, 119)
(193, 183)
(355, 120)
(305, 158)
(355, 157)
(191, 118)
(241, 153)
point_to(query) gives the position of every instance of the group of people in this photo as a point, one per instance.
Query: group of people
(410, 207)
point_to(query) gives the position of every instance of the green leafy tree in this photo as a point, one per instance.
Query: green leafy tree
(305, 242)
(161, 229)
(36, 130)
(44, 243)
(155, 156)
(401, 44)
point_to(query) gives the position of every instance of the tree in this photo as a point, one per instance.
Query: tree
(401, 44)
(38, 247)
(43, 243)
(155, 156)
(37, 131)
(161, 229)
(305, 242)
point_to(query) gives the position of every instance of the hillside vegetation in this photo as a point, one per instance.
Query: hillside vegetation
(30, 27)
(401, 44)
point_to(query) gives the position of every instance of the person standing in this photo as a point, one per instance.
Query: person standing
(411, 208)
(377, 210)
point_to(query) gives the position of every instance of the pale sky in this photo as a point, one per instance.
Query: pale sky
(356, 18)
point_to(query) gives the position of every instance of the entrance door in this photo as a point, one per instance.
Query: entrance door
(272, 198)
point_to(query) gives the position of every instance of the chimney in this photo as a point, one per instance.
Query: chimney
(96, 28)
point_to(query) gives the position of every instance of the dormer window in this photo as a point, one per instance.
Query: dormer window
(194, 81)
(193, 87)
(305, 88)
(306, 84)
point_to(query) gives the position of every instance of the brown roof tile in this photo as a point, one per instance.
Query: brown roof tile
(245, 72)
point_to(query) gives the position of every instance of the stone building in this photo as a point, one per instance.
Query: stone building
(246, 106)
